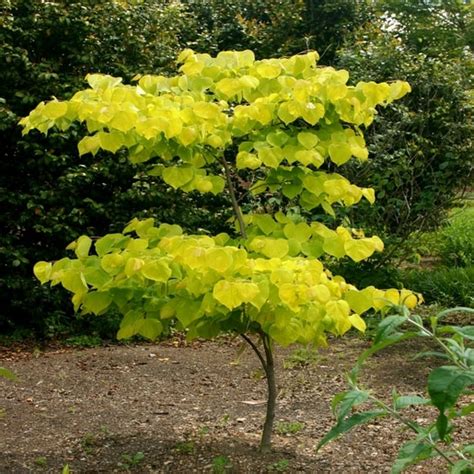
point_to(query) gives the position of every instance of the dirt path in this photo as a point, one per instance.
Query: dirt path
(191, 409)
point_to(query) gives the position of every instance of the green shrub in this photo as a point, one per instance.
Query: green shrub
(457, 239)
(445, 286)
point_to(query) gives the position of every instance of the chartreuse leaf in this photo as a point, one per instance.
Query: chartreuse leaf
(156, 270)
(233, 293)
(130, 324)
(177, 177)
(284, 117)
(97, 302)
(359, 249)
(151, 328)
(42, 271)
(54, 109)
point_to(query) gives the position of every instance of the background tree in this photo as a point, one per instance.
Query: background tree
(49, 195)
(421, 146)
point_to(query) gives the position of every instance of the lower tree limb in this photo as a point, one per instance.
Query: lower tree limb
(267, 362)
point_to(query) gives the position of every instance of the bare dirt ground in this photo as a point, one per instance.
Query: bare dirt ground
(192, 408)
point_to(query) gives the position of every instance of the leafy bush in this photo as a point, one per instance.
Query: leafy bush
(442, 285)
(456, 247)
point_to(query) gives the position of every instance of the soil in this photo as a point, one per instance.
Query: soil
(197, 407)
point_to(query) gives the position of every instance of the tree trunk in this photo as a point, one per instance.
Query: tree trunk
(266, 441)
(269, 368)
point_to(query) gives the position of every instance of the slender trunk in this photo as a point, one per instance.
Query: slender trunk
(268, 365)
(266, 441)
(266, 359)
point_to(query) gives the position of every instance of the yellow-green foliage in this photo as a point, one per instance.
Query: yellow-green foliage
(281, 117)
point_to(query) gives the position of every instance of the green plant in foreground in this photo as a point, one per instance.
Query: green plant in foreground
(289, 427)
(279, 466)
(220, 464)
(445, 389)
(301, 357)
(41, 461)
(186, 447)
(255, 129)
(131, 460)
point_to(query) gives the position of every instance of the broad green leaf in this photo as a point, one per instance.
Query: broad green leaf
(409, 400)
(463, 466)
(345, 403)
(347, 424)
(388, 326)
(466, 331)
(410, 453)
(445, 385)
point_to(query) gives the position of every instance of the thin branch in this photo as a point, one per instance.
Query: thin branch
(256, 350)
(235, 204)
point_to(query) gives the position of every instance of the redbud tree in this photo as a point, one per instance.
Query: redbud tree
(275, 122)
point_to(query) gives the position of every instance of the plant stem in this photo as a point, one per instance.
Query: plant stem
(235, 204)
(410, 425)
